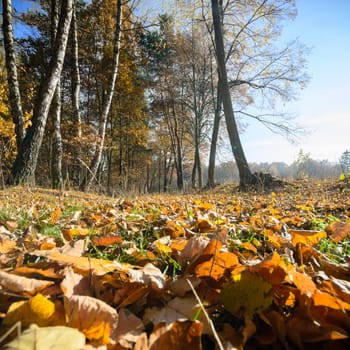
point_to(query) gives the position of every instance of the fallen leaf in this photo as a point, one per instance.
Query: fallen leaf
(71, 233)
(75, 284)
(38, 310)
(24, 285)
(177, 308)
(185, 335)
(53, 338)
(306, 236)
(246, 295)
(55, 215)
(149, 275)
(128, 330)
(338, 231)
(93, 317)
(7, 245)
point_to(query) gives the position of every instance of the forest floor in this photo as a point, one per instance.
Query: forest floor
(221, 269)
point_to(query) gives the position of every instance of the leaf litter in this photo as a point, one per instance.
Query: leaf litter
(216, 270)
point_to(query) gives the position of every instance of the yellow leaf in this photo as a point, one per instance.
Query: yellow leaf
(55, 215)
(306, 236)
(70, 233)
(162, 248)
(38, 310)
(91, 316)
(246, 295)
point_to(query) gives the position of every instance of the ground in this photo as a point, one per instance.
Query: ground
(218, 269)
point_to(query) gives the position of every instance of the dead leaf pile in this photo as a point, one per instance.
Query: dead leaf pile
(219, 270)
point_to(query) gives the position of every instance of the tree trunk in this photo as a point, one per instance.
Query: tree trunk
(76, 89)
(57, 180)
(107, 101)
(214, 139)
(23, 170)
(245, 174)
(12, 78)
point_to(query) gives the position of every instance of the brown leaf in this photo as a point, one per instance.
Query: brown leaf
(104, 241)
(185, 335)
(128, 330)
(19, 284)
(338, 231)
(93, 317)
(75, 284)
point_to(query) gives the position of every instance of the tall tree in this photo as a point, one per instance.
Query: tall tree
(245, 175)
(57, 179)
(107, 101)
(23, 170)
(15, 96)
(76, 85)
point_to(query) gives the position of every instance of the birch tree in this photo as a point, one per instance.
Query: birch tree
(86, 185)
(57, 179)
(12, 77)
(23, 170)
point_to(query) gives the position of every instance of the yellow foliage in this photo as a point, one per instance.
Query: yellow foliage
(246, 294)
(38, 310)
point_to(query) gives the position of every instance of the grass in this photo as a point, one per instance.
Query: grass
(337, 252)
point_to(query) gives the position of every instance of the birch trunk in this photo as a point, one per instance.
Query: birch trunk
(12, 77)
(76, 89)
(57, 180)
(23, 170)
(107, 102)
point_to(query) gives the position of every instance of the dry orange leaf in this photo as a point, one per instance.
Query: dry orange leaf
(338, 231)
(47, 246)
(70, 233)
(93, 317)
(19, 284)
(173, 229)
(84, 265)
(185, 335)
(104, 241)
(40, 271)
(7, 245)
(306, 236)
(55, 215)
(132, 293)
(204, 226)
(203, 205)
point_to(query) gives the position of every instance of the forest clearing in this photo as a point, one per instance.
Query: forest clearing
(146, 102)
(221, 269)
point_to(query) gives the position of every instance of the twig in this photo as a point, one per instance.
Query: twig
(216, 336)
(17, 326)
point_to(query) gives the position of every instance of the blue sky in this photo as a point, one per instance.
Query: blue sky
(324, 106)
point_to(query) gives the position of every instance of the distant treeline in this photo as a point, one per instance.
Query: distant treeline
(305, 168)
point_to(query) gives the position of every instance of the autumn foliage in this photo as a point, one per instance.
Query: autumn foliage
(218, 270)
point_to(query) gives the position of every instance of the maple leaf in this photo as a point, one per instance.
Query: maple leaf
(246, 295)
